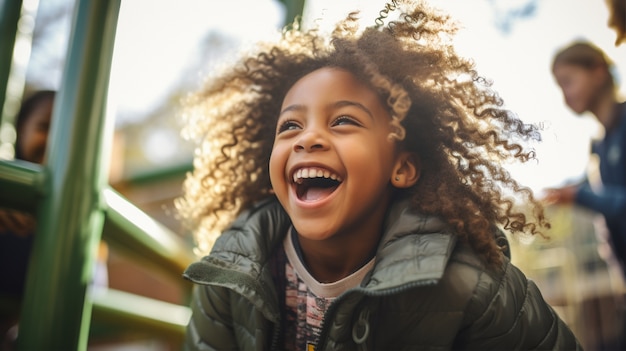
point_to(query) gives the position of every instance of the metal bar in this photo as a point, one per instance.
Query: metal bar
(294, 9)
(160, 174)
(57, 306)
(126, 226)
(129, 229)
(129, 313)
(22, 185)
(9, 16)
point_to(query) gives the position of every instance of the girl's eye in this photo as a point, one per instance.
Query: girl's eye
(345, 120)
(287, 125)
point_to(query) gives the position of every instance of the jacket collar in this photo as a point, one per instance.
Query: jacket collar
(414, 249)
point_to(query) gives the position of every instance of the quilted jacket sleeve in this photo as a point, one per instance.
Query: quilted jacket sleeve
(234, 305)
(508, 312)
(210, 327)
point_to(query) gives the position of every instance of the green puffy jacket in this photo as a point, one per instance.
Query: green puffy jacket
(426, 292)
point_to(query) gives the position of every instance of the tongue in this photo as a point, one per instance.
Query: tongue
(314, 194)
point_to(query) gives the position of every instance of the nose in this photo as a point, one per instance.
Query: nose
(310, 140)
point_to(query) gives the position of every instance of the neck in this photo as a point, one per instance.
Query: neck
(335, 258)
(605, 111)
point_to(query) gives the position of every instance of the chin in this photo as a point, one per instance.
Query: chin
(314, 235)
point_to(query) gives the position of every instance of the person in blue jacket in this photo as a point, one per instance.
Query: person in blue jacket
(357, 180)
(583, 72)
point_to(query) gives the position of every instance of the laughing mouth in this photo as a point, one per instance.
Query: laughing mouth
(314, 183)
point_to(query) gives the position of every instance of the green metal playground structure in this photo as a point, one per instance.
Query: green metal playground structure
(74, 203)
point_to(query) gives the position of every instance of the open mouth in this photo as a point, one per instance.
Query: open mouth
(313, 184)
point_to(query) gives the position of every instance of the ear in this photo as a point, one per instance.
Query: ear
(406, 171)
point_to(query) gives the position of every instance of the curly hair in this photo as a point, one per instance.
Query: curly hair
(441, 109)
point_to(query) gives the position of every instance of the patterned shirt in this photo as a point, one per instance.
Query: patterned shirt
(307, 300)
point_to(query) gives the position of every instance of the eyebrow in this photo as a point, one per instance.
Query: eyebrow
(355, 104)
(296, 107)
(338, 104)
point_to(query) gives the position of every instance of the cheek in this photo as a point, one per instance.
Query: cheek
(574, 94)
(387, 150)
(41, 136)
(362, 160)
(27, 137)
(277, 165)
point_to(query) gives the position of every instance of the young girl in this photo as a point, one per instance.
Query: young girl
(364, 173)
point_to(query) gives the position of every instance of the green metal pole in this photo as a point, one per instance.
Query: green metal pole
(294, 10)
(10, 11)
(22, 185)
(57, 306)
(132, 231)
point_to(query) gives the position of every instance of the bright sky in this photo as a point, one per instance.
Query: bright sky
(161, 36)
(157, 38)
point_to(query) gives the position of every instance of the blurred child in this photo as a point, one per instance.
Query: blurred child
(17, 228)
(364, 172)
(32, 125)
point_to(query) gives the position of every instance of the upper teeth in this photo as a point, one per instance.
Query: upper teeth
(314, 173)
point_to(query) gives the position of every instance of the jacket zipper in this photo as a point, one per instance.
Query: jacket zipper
(322, 340)
(276, 337)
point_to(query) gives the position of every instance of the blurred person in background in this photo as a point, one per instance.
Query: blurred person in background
(17, 228)
(584, 74)
(32, 125)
